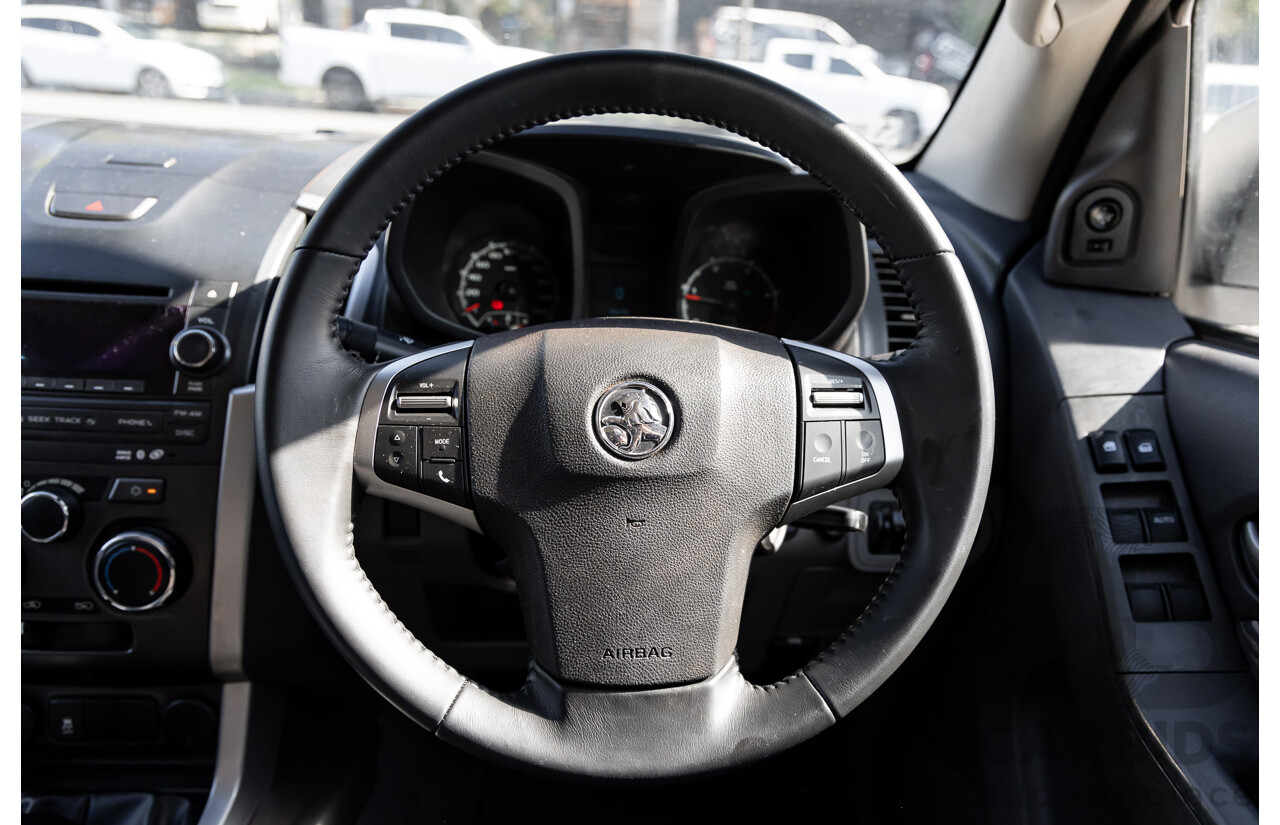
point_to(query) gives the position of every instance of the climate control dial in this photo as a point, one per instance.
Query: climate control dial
(49, 515)
(135, 571)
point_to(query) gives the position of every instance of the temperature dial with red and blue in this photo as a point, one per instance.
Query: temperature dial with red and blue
(134, 571)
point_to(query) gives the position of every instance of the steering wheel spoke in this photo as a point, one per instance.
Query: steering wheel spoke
(411, 443)
(850, 440)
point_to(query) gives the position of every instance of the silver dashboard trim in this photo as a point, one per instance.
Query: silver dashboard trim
(237, 483)
(375, 400)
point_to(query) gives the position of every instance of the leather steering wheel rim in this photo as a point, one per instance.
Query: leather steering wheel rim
(310, 391)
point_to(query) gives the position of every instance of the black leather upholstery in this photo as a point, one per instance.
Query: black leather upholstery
(309, 396)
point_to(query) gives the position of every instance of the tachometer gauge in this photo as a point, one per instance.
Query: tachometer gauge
(730, 291)
(506, 285)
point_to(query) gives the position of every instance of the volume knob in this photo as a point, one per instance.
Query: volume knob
(49, 515)
(198, 351)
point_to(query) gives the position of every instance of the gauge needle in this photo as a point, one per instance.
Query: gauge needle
(702, 300)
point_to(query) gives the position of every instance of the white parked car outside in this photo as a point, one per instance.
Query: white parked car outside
(892, 112)
(394, 54)
(238, 15)
(744, 34)
(99, 50)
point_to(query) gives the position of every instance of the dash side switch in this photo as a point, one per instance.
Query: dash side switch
(1108, 453)
(1144, 450)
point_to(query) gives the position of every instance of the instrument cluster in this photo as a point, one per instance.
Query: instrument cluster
(501, 243)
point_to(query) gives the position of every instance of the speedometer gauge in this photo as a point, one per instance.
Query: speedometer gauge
(505, 285)
(730, 291)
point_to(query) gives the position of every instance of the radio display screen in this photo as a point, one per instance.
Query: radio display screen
(91, 339)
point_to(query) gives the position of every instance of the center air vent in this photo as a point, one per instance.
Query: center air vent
(899, 319)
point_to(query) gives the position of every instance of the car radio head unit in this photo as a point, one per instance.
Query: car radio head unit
(74, 340)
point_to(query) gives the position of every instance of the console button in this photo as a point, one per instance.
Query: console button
(66, 720)
(60, 419)
(1108, 455)
(34, 383)
(1144, 450)
(823, 450)
(137, 490)
(1163, 524)
(184, 385)
(131, 387)
(99, 385)
(135, 421)
(212, 293)
(863, 449)
(441, 443)
(1126, 526)
(96, 207)
(444, 480)
(395, 456)
(189, 413)
(191, 433)
(68, 384)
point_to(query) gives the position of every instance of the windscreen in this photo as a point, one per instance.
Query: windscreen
(889, 68)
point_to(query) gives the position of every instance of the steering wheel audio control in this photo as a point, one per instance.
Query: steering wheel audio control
(418, 452)
(49, 515)
(199, 351)
(135, 572)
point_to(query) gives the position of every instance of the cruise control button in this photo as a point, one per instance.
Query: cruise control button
(444, 480)
(441, 442)
(395, 456)
(823, 450)
(863, 449)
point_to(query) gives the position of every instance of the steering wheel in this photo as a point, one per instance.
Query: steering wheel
(628, 467)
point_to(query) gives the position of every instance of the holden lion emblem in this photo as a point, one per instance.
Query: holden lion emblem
(634, 419)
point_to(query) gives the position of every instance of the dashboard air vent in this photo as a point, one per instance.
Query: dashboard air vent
(899, 319)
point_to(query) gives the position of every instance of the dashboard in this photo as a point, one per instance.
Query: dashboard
(150, 257)
(545, 230)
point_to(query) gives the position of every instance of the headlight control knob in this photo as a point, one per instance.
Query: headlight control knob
(135, 571)
(199, 351)
(49, 515)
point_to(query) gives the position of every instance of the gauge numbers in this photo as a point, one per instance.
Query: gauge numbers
(730, 291)
(506, 285)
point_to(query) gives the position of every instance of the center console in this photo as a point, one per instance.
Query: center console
(125, 392)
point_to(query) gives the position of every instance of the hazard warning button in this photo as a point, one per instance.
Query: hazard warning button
(95, 207)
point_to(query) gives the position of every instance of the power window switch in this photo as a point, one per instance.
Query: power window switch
(1164, 524)
(1144, 450)
(1108, 454)
(1126, 526)
(1186, 602)
(1147, 603)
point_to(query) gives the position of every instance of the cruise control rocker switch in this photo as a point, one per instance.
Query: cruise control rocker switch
(850, 441)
